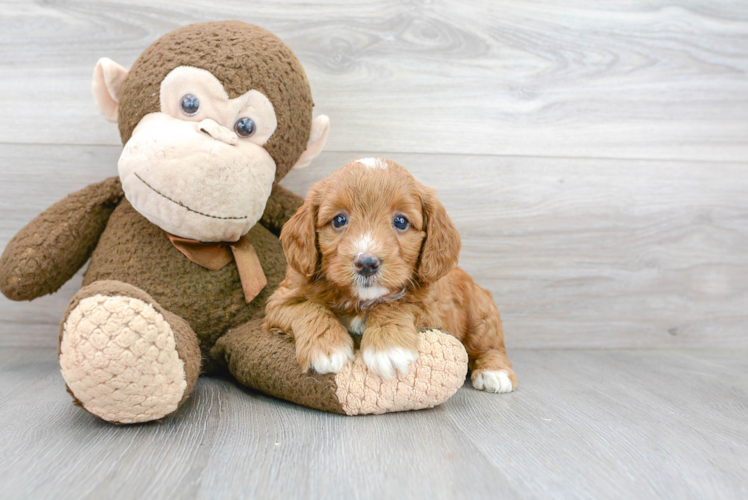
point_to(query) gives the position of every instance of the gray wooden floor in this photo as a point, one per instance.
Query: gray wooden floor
(584, 424)
(594, 156)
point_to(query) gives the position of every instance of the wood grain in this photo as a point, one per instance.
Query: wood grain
(596, 253)
(31, 179)
(593, 157)
(640, 79)
(584, 424)
(577, 252)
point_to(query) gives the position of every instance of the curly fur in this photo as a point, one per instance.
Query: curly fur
(417, 285)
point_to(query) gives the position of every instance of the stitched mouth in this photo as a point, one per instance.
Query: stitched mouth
(179, 203)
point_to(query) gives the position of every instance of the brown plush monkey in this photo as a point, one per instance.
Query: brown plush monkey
(211, 116)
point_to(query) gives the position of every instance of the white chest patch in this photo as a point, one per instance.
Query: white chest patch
(354, 324)
(371, 292)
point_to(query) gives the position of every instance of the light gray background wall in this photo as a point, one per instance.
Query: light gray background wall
(593, 155)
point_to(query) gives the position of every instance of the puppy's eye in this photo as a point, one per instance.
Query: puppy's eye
(339, 221)
(400, 223)
(190, 104)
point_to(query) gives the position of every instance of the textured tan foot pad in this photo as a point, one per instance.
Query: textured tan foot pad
(119, 358)
(431, 380)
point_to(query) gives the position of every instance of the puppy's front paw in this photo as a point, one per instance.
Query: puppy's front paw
(332, 362)
(326, 347)
(385, 362)
(497, 381)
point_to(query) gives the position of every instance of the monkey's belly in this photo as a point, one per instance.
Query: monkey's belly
(135, 251)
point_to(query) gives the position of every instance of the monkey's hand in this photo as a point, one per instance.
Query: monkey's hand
(52, 247)
(281, 206)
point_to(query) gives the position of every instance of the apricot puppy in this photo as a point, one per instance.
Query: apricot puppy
(373, 253)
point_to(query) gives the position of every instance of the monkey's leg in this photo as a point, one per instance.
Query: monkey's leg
(266, 361)
(124, 358)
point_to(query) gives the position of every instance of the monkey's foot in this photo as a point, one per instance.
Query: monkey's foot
(118, 355)
(431, 379)
(267, 361)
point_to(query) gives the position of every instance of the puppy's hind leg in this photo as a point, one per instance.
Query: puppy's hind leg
(491, 370)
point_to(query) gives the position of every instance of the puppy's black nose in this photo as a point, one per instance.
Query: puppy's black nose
(366, 264)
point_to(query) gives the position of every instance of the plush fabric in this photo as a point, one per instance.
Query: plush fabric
(252, 354)
(148, 320)
(214, 256)
(242, 57)
(108, 361)
(132, 250)
(177, 176)
(105, 87)
(251, 104)
(117, 343)
(33, 264)
(437, 374)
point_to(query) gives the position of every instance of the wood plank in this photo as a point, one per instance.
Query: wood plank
(616, 424)
(577, 253)
(32, 179)
(641, 79)
(596, 253)
(594, 424)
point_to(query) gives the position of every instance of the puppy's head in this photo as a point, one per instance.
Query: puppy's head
(370, 228)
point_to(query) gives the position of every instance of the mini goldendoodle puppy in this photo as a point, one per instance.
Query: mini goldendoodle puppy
(373, 253)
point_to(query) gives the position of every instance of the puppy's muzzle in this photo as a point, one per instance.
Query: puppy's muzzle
(366, 264)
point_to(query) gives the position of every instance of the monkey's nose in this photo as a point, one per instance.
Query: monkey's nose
(366, 264)
(217, 132)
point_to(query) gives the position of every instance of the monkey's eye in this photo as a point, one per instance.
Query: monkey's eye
(244, 127)
(339, 221)
(400, 223)
(190, 104)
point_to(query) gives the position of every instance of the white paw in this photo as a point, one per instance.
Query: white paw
(493, 381)
(384, 363)
(333, 363)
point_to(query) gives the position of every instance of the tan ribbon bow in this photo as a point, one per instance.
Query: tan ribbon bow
(214, 256)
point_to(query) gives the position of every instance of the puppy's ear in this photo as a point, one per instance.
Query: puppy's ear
(299, 237)
(441, 247)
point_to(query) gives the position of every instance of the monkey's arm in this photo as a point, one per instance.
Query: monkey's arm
(52, 247)
(281, 206)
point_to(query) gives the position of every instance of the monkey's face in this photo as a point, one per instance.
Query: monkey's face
(197, 168)
(211, 116)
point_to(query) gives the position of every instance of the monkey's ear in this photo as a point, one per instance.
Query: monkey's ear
(108, 78)
(317, 140)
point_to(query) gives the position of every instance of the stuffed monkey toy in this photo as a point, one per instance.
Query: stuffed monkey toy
(183, 244)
